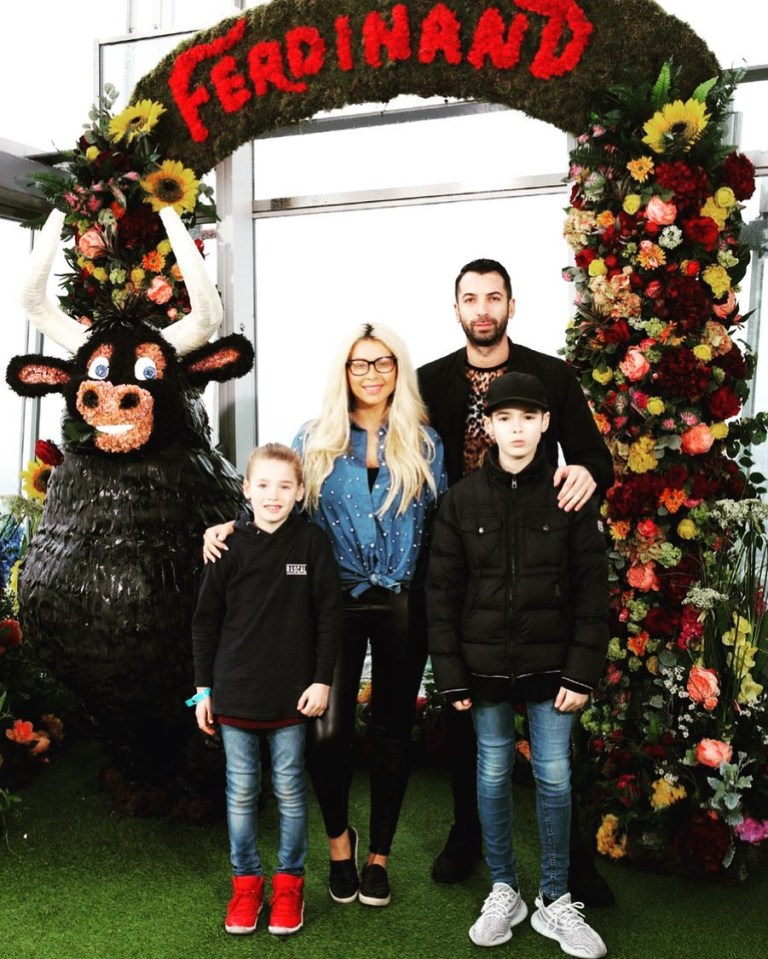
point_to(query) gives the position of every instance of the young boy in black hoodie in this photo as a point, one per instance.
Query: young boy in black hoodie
(265, 635)
(517, 605)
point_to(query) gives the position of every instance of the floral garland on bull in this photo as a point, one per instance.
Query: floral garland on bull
(678, 732)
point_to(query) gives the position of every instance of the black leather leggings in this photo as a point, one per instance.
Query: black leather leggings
(394, 624)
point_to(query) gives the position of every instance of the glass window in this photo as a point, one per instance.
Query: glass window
(479, 148)
(15, 243)
(319, 276)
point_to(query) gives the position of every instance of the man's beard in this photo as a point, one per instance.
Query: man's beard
(489, 338)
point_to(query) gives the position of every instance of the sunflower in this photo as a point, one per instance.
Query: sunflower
(677, 124)
(135, 121)
(36, 477)
(172, 184)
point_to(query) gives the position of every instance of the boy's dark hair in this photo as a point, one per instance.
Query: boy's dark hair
(275, 451)
(484, 266)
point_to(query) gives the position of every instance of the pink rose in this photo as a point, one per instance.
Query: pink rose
(642, 576)
(634, 365)
(703, 686)
(92, 244)
(723, 310)
(160, 290)
(697, 440)
(660, 211)
(712, 752)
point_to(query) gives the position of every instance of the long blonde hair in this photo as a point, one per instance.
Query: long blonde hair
(408, 449)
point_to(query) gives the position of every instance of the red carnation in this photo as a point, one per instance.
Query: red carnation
(732, 363)
(682, 375)
(48, 452)
(690, 185)
(703, 842)
(685, 302)
(739, 175)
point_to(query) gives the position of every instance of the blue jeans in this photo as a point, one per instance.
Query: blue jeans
(550, 733)
(243, 754)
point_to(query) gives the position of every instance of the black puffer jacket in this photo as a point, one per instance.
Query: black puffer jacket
(516, 587)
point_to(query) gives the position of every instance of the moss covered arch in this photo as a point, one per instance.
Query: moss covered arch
(283, 62)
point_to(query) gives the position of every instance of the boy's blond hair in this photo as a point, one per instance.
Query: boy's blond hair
(275, 451)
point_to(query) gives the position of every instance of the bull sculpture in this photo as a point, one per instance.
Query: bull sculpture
(108, 585)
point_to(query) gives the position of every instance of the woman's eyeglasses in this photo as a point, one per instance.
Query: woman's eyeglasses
(382, 364)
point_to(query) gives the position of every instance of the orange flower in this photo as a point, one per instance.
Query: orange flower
(712, 752)
(672, 499)
(364, 694)
(637, 644)
(153, 261)
(524, 748)
(642, 576)
(697, 439)
(620, 528)
(21, 732)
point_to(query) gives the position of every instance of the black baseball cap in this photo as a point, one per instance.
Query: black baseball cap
(515, 389)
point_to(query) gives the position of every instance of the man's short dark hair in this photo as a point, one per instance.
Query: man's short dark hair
(484, 266)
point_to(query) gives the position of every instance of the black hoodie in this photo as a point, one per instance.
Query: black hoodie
(268, 620)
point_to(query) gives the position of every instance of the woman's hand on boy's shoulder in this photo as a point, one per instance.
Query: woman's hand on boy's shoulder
(213, 540)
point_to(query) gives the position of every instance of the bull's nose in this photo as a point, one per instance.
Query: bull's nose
(129, 401)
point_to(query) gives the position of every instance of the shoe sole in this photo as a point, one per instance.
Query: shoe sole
(242, 930)
(285, 930)
(518, 917)
(540, 926)
(372, 901)
(343, 900)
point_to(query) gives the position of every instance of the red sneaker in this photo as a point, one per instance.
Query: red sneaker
(287, 904)
(245, 905)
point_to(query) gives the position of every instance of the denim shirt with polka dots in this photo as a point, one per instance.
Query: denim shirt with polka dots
(371, 548)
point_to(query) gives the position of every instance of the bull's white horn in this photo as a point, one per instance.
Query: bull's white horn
(39, 308)
(197, 327)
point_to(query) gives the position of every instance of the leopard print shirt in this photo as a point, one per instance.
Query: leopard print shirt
(476, 441)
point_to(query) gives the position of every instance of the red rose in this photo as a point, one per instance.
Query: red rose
(702, 230)
(48, 452)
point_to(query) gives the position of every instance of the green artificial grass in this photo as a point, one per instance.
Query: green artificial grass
(78, 882)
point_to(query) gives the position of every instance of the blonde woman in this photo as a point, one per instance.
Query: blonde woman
(373, 471)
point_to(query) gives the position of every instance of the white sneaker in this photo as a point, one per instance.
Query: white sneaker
(502, 909)
(563, 921)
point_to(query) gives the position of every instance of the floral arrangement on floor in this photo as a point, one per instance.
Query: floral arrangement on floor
(31, 702)
(111, 187)
(678, 733)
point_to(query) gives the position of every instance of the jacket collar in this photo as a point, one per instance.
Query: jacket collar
(532, 473)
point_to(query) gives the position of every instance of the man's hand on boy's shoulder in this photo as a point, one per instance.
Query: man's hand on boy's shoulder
(577, 486)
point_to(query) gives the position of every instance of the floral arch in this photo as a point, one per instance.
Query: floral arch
(677, 735)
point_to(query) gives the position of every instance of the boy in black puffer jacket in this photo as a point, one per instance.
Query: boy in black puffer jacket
(517, 603)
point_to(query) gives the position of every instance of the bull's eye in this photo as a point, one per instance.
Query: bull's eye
(99, 368)
(145, 369)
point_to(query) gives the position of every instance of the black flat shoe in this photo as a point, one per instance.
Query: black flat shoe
(374, 886)
(343, 878)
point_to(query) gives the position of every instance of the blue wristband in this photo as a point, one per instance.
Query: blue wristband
(198, 697)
